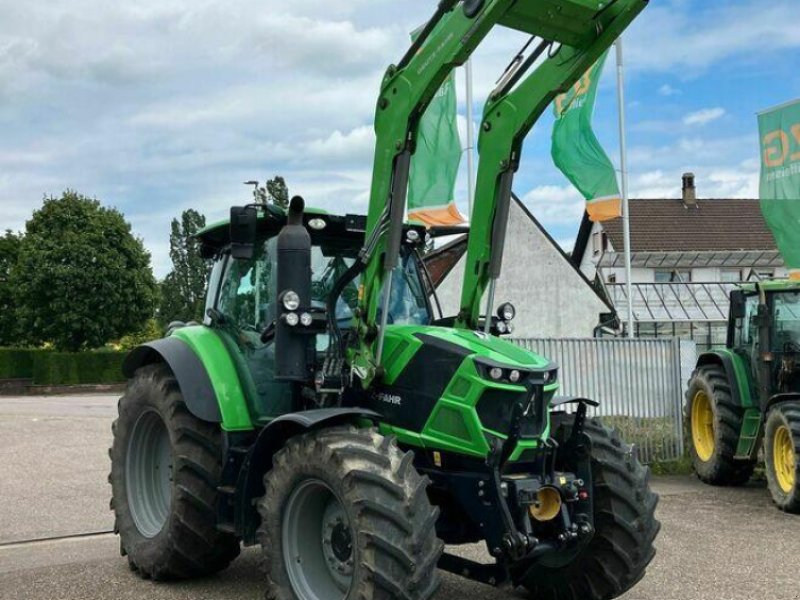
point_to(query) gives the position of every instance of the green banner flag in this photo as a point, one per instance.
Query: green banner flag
(577, 152)
(434, 166)
(779, 130)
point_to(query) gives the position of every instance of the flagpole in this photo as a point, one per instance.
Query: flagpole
(623, 152)
(470, 140)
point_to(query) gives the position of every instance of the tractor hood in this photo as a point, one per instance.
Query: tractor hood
(475, 342)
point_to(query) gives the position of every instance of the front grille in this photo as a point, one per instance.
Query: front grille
(495, 409)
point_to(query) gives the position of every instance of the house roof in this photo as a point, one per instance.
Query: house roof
(662, 225)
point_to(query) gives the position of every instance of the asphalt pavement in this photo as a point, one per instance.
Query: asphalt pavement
(716, 544)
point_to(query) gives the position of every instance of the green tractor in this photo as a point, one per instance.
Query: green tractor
(326, 412)
(746, 397)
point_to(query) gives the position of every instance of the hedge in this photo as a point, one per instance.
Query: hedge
(17, 363)
(61, 368)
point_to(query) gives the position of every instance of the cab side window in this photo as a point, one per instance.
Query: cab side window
(747, 329)
(246, 297)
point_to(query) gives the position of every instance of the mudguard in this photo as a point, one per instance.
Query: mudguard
(193, 379)
(271, 439)
(736, 373)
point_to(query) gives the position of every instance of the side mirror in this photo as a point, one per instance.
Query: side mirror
(243, 231)
(737, 304)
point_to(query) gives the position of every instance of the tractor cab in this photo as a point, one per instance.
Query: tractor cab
(243, 301)
(765, 332)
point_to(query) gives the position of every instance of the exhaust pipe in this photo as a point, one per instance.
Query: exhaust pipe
(294, 297)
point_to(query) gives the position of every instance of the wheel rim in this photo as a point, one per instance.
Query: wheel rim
(318, 549)
(148, 474)
(784, 459)
(703, 426)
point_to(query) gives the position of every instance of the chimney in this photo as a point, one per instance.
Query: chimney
(689, 191)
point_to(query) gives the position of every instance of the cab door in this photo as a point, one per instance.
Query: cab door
(246, 302)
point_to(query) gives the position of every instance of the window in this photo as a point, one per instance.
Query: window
(247, 296)
(673, 276)
(731, 275)
(787, 321)
(599, 242)
(747, 327)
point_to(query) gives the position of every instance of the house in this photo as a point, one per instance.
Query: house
(686, 256)
(553, 298)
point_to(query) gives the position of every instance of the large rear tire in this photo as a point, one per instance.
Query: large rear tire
(345, 515)
(713, 422)
(617, 556)
(781, 451)
(165, 468)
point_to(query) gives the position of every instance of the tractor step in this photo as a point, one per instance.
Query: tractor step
(226, 501)
(750, 434)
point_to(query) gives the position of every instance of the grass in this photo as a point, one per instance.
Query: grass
(654, 438)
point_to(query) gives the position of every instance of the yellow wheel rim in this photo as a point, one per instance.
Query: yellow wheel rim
(703, 426)
(784, 459)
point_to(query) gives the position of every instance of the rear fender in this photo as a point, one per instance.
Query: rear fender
(270, 440)
(736, 372)
(781, 399)
(205, 372)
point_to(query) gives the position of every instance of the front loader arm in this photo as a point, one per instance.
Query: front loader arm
(507, 119)
(446, 42)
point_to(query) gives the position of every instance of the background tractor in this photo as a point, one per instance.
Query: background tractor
(746, 397)
(325, 411)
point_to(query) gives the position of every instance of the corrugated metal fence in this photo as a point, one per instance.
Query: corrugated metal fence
(639, 383)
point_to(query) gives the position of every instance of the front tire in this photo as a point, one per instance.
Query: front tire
(713, 422)
(345, 515)
(625, 526)
(781, 451)
(165, 468)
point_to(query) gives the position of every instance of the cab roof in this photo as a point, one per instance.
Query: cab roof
(271, 219)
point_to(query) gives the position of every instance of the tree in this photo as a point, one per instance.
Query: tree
(9, 320)
(278, 191)
(81, 278)
(183, 290)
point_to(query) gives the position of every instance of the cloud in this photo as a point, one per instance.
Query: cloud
(555, 205)
(355, 145)
(668, 90)
(704, 116)
(688, 37)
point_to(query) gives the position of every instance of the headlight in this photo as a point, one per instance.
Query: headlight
(317, 224)
(292, 319)
(496, 373)
(514, 376)
(501, 327)
(291, 301)
(306, 319)
(506, 311)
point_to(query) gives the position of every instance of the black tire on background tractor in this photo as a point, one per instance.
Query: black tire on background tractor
(781, 452)
(346, 515)
(712, 423)
(624, 519)
(165, 467)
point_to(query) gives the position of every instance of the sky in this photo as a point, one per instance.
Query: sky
(154, 107)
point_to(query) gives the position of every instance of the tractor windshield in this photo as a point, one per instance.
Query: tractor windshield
(787, 321)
